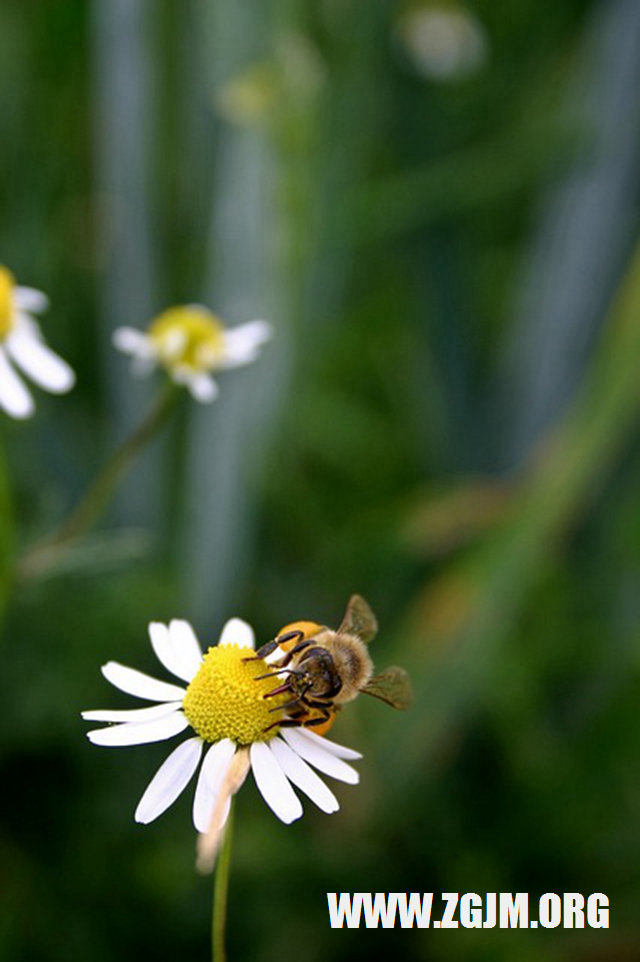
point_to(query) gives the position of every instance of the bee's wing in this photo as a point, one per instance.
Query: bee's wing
(359, 620)
(392, 686)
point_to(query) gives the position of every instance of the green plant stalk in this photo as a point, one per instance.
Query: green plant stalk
(481, 593)
(6, 534)
(90, 507)
(220, 893)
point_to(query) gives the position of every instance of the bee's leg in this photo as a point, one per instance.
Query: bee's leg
(287, 723)
(324, 704)
(278, 671)
(271, 646)
(285, 661)
(319, 720)
(263, 651)
(290, 635)
(294, 651)
(300, 713)
(279, 690)
(294, 720)
(294, 703)
(287, 687)
(291, 721)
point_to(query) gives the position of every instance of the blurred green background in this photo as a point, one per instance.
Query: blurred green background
(436, 204)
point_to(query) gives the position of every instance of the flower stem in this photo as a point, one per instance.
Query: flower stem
(6, 534)
(220, 891)
(48, 551)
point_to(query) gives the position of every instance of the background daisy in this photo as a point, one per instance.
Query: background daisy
(23, 349)
(190, 343)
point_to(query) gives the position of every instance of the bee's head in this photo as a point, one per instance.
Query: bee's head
(319, 676)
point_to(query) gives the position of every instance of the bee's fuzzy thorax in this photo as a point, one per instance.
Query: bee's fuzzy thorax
(353, 664)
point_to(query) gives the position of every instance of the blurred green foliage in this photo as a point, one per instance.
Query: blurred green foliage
(398, 237)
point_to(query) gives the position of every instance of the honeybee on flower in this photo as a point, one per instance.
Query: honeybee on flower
(321, 670)
(235, 728)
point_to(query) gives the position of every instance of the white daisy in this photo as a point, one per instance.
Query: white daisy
(21, 344)
(443, 41)
(233, 729)
(191, 342)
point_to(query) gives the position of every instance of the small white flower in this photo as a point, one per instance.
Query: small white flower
(191, 343)
(444, 41)
(235, 728)
(21, 344)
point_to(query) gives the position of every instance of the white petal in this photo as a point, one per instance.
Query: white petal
(303, 776)
(142, 686)
(139, 734)
(132, 714)
(159, 637)
(202, 387)
(14, 397)
(273, 785)
(39, 362)
(183, 638)
(169, 781)
(214, 768)
(26, 323)
(319, 757)
(340, 751)
(30, 300)
(209, 842)
(242, 343)
(237, 632)
(176, 648)
(142, 366)
(133, 342)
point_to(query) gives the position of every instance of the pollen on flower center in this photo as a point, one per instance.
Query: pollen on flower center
(7, 284)
(224, 700)
(189, 337)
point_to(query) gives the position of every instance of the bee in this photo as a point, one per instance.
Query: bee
(326, 669)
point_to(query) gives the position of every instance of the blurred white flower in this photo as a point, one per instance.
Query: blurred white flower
(21, 344)
(191, 343)
(234, 727)
(443, 41)
(268, 90)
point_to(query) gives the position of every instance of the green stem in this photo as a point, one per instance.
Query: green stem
(6, 534)
(220, 891)
(92, 504)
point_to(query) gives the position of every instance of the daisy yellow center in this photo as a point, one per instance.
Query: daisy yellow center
(7, 284)
(188, 337)
(224, 699)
